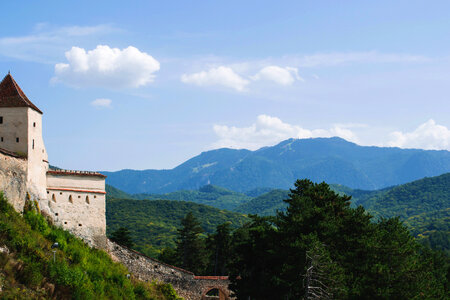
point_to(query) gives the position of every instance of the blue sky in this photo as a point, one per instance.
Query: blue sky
(149, 84)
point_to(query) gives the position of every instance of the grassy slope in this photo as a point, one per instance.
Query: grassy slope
(27, 270)
(154, 223)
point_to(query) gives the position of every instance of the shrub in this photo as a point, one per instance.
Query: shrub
(37, 222)
(31, 274)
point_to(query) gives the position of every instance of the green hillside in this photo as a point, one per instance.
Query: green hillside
(209, 195)
(424, 206)
(27, 269)
(154, 223)
(265, 205)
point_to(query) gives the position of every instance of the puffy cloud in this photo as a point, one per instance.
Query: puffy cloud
(101, 103)
(428, 136)
(106, 67)
(282, 76)
(269, 130)
(221, 76)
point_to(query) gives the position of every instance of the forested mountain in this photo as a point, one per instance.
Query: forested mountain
(333, 160)
(153, 224)
(209, 195)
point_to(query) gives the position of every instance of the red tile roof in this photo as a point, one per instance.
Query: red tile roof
(11, 95)
(76, 173)
(211, 277)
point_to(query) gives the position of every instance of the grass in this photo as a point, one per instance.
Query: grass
(27, 269)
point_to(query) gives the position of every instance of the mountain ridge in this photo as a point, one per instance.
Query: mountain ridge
(333, 160)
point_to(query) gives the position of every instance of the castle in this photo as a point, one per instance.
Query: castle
(74, 200)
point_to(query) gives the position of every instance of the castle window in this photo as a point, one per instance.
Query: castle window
(79, 224)
(2, 139)
(53, 198)
(87, 199)
(17, 140)
(60, 193)
(70, 199)
(1, 120)
(34, 124)
(48, 192)
(56, 214)
(65, 223)
(95, 196)
(79, 196)
(33, 144)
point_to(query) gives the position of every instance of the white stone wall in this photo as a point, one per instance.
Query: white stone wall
(77, 203)
(37, 156)
(13, 180)
(15, 125)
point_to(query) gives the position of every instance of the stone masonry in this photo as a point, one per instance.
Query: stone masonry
(187, 285)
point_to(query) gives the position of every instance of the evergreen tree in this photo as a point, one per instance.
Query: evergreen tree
(191, 246)
(322, 248)
(122, 236)
(219, 246)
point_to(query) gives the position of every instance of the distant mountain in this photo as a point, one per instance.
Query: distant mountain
(332, 160)
(153, 224)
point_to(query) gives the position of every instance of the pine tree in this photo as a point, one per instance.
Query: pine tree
(122, 236)
(190, 245)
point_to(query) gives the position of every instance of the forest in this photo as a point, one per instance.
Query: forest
(423, 206)
(320, 246)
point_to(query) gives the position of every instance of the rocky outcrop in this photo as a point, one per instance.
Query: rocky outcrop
(13, 179)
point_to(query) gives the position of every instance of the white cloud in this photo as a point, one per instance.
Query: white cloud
(428, 136)
(269, 130)
(279, 75)
(106, 67)
(221, 76)
(102, 103)
(47, 42)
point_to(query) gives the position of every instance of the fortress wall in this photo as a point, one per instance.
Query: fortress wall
(70, 181)
(187, 285)
(13, 180)
(14, 126)
(37, 156)
(77, 203)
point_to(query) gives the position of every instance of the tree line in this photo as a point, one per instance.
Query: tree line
(319, 248)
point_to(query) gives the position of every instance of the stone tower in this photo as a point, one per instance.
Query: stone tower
(74, 200)
(21, 133)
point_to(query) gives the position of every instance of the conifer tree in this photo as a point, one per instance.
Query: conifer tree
(122, 236)
(190, 245)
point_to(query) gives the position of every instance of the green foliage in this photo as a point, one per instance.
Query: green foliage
(219, 245)
(423, 206)
(266, 204)
(191, 252)
(209, 195)
(79, 272)
(154, 224)
(322, 242)
(122, 237)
